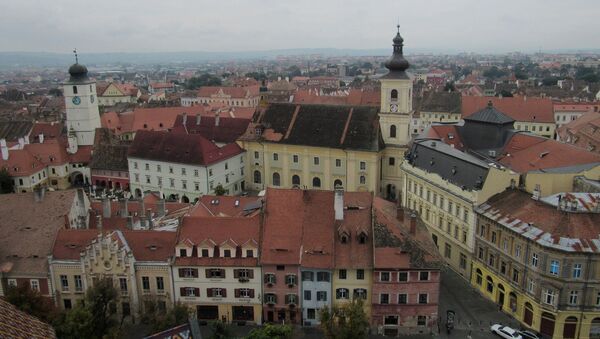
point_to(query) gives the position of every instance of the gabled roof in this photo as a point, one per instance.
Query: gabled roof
(228, 130)
(18, 324)
(13, 130)
(357, 218)
(233, 92)
(180, 148)
(342, 127)
(522, 109)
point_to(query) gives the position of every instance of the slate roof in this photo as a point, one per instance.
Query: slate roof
(342, 127)
(18, 324)
(180, 148)
(449, 102)
(459, 168)
(490, 115)
(110, 157)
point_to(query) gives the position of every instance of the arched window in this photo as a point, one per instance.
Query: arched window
(479, 277)
(316, 182)
(490, 284)
(393, 131)
(363, 180)
(394, 94)
(276, 179)
(337, 183)
(295, 180)
(257, 179)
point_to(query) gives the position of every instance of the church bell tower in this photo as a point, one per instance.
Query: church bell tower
(81, 104)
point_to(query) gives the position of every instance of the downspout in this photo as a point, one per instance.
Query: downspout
(584, 296)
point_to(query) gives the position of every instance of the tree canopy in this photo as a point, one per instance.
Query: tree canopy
(6, 182)
(346, 321)
(203, 80)
(270, 331)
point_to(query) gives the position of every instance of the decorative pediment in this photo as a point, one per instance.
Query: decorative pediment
(251, 243)
(228, 243)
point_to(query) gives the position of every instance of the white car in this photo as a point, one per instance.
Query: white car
(505, 332)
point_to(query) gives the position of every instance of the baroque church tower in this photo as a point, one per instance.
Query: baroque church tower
(394, 118)
(81, 104)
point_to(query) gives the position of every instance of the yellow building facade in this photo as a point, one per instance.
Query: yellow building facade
(352, 283)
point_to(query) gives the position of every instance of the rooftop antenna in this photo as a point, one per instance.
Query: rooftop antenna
(76, 58)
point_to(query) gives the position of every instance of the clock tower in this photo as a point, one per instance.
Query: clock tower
(81, 104)
(396, 98)
(394, 118)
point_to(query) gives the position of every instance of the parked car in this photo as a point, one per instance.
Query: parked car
(505, 332)
(529, 335)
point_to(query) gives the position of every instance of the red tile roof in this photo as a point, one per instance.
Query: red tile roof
(50, 130)
(523, 109)
(180, 148)
(228, 131)
(318, 229)
(224, 206)
(233, 92)
(356, 219)
(447, 134)
(151, 245)
(526, 152)
(69, 243)
(18, 324)
(354, 97)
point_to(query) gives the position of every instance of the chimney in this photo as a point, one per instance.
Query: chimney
(217, 119)
(106, 208)
(124, 209)
(142, 207)
(161, 208)
(400, 214)
(41, 137)
(21, 143)
(149, 218)
(184, 119)
(129, 222)
(338, 203)
(4, 149)
(413, 224)
(198, 118)
(99, 222)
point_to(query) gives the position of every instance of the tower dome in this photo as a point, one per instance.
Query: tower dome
(396, 63)
(78, 72)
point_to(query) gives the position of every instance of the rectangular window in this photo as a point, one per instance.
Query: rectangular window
(363, 165)
(573, 297)
(322, 276)
(384, 276)
(463, 261)
(518, 251)
(307, 295)
(184, 184)
(146, 283)
(447, 251)
(534, 260)
(402, 298)
(183, 171)
(503, 267)
(321, 295)
(338, 162)
(491, 260)
(360, 274)
(256, 156)
(123, 284)
(342, 274)
(531, 286)
(421, 320)
(549, 297)
(34, 284)
(311, 313)
(308, 276)
(78, 283)
(554, 267)
(160, 283)
(316, 160)
(423, 297)
(147, 167)
(402, 276)
(196, 172)
(158, 168)
(275, 157)
(480, 253)
(64, 282)
(171, 169)
(384, 298)
(295, 158)
(172, 182)
(515, 275)
(423, 276)
(576, 271)
(390, 320)
(493, 237)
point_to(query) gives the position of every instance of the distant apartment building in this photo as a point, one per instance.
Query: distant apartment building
(230, 96)
(565, 112)
(183, 166)
(584, 132)
(115, 93)
(437, 107)
(157, 87)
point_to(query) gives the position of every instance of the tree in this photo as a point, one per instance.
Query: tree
(78, 322)
(31, 302)
(98, 300)
(258, 76)
(271, 331)
(219, 190)
(203, 80)
(294, 71)
(6, 183)
(161, 321)
(345, 321)
(219, 330)
(449, 87)
(550, 81)
(494, 72)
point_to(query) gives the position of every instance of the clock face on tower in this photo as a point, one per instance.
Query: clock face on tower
(76, 100)
(394, 108)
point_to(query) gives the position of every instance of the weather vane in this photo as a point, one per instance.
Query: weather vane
(75, 52)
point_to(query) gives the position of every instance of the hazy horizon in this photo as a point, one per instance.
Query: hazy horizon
(137, 26)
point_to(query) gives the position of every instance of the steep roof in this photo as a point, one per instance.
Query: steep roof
(345, 127)
(433, 101)
(151, 245)
(357, 219)
(18, 324)
(110, 157)
(226, 206)
(490, 115)
(523, 109)
(13, 130)
(228, 130)
(180, 148)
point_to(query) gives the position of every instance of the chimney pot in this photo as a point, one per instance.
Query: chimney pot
(106, 208)
(413, 224)
(198, 118)
(338, 203)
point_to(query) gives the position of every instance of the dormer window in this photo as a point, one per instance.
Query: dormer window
(249, 254)
(362, 238)
(344, 238)
(183, 252)
(204, 253)
(227, 253)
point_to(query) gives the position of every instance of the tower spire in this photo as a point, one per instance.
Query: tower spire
(76, 58)
(397, 63)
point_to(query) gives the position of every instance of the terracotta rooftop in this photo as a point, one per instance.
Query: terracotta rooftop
(228, 130)
(180, 148)
(544, 223)
(357, 219)
(18, 324)
(521, 109)
(233, 92)
(226, 206)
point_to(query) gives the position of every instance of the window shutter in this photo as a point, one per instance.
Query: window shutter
(181, 274)
(182, 291)
(266, 278)
(209, 292)
(197, 291)
(222, 273)
(251, 293)
(236, 274)
(224, 292)
(250, 274)
(236, 292)
(195, 272)
(207, 272)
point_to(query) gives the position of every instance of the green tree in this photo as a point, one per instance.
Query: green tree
(294, 71)
(258, 76)
(270, 331)
(78, 322)
(6, 183)
(161, 321)
(31, 302)
(203, 80)
(98, 300)
(345, 321)
(219, 190)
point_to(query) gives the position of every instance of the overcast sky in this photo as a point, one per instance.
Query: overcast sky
(250, 25)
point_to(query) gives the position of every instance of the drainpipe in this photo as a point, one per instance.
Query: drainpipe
(584, 296)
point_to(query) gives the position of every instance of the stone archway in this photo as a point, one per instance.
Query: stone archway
(547, 324)
(185, 199)
(500, 297)
(528, 314)
(570, 328)
(77, 179)
(595, 329)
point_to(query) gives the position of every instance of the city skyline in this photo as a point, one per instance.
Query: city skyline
(244, 26)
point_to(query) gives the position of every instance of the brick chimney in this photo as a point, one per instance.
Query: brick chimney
(413, 224)
(198, 119)
(124, 208)
(338, 203)
(162, 210)
(184, 118)
(4, 149)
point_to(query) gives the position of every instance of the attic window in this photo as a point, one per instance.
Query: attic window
(362, 238)
(454, 170)
(450, 136)
(71, 246)
(344, 238)
(152, 247)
